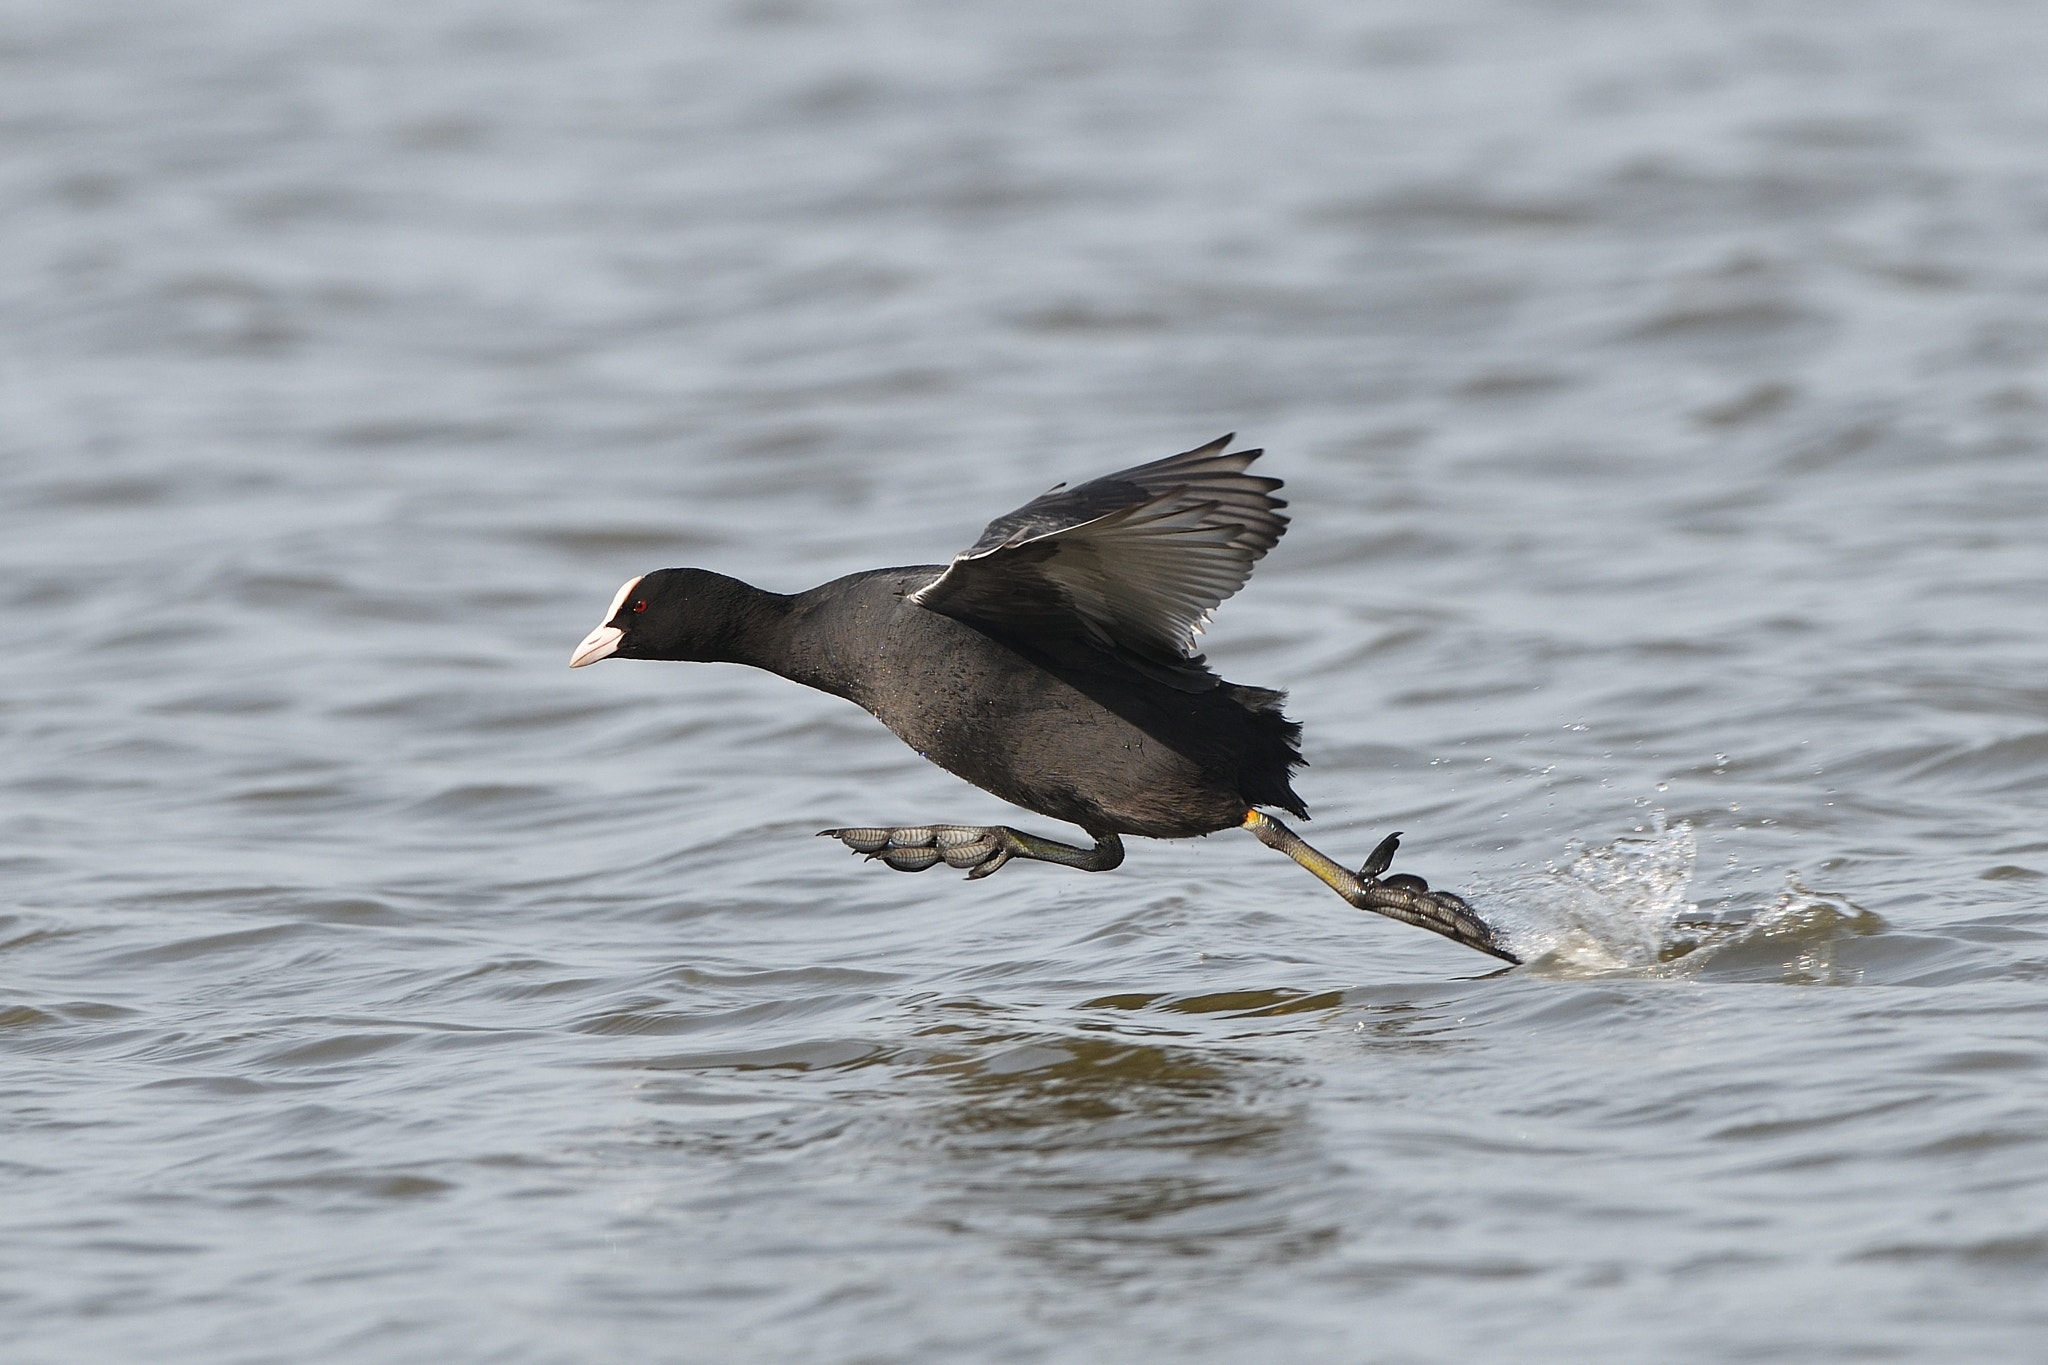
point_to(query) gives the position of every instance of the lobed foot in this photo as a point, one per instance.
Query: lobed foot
(913, 848)
(981, 849)
(1381, 858)
(1373, 870)
(1409, 899)
(1402, 896)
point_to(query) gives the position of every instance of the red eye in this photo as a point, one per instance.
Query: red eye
(640, 605)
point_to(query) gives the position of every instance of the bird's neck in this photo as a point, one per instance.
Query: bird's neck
(770, 631)
(755, 630)
(825, 638)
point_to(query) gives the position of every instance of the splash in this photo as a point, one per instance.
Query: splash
(1792, 939)
(1625, 909)
(1611, 908)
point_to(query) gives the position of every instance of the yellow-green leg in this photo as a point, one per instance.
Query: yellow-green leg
(1400, 897)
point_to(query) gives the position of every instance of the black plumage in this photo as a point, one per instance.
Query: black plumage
(1052, 663)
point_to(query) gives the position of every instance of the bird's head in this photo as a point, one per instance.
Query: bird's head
(669, 614)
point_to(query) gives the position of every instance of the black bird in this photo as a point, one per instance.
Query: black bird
(1052, 663)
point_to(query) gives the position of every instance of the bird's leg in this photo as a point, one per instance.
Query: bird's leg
(981, 849)
(1401, 897)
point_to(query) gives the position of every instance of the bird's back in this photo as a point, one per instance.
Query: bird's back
(1070, 730)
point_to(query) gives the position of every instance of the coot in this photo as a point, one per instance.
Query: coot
(1052, 663)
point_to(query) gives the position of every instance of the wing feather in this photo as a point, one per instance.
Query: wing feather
(1138, 559)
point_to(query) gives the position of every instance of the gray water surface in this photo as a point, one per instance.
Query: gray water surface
(1660, 390)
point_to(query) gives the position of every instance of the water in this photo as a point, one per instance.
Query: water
(1660, 391)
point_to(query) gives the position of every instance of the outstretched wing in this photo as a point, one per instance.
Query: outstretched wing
(1137, 560)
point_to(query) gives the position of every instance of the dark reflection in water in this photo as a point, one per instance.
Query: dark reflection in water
(1086, 1152)
(1085, 1155)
